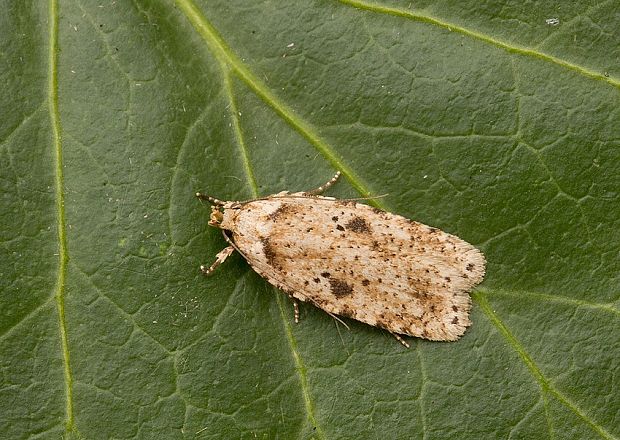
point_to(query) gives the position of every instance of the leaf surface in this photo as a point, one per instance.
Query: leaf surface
(483, 119)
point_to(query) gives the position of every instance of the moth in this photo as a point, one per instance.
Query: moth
(353, 260)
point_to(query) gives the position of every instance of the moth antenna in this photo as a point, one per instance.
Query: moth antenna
(325, 186)
(307, 195)
(210, 199)
(367, 198)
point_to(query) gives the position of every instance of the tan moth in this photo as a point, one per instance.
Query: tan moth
(353, 260)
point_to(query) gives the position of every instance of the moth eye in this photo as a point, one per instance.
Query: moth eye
(216, 216)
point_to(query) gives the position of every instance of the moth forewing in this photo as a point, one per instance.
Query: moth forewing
(354, 260)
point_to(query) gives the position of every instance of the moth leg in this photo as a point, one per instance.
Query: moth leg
(219, 259)
(320, 189)
(296, 310)
(336, 318)
(399, 339)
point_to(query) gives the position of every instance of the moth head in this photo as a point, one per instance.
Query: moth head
(222, 216)
(216, 217)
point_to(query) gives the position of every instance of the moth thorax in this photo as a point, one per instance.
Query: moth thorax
(228, 216)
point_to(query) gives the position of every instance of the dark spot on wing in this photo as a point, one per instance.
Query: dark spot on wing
(365, 282)
(469, 267)
(282, 211)
(358, 224)
(340, 288)
(335, 218)
(269, 251)
(340, 228)
(325, 274)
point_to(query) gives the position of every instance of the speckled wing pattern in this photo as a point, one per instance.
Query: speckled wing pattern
(353, 260)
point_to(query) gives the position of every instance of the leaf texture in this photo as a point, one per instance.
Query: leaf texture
(482, 119)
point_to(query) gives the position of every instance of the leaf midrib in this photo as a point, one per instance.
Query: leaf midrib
(63, 256)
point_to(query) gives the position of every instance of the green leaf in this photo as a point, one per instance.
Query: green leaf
(478, 118)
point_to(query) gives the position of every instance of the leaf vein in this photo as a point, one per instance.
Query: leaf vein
(609, 307)
(300, 367)
(238, 133)
(544, 383)
(509, 47)
(305, 129)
